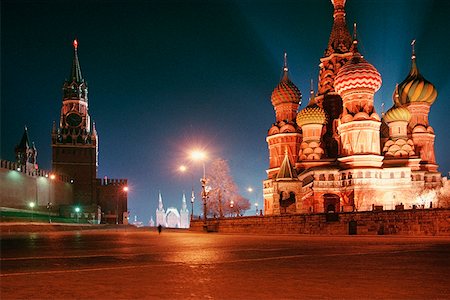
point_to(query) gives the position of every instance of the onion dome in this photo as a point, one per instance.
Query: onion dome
(286, 91)
(415, 88)
(397, 114)
(358, 74)
(311, 114)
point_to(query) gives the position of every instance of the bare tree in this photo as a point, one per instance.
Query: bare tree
(224, 191)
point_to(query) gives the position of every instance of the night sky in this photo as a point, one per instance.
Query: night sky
(168, 76)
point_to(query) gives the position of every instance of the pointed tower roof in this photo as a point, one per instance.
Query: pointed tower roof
(340, 39)
(160, 202)
(75, 73)
(75, 87)
(183, 203)
(286, 170)
(25, 141)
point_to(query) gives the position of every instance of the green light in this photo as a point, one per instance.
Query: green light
(77, 209)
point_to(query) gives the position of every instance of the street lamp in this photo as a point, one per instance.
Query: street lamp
(31, 205)
(192, 203)
(77, 211)
(201, 156)
(256, 207)
(231, 207)
(52, 189)
(49, 207)
(125, 190)
(184, 169)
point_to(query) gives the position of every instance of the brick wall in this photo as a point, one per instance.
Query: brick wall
(407, 222)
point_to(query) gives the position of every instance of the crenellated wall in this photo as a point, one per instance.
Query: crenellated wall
(19, 187)
(406, 222)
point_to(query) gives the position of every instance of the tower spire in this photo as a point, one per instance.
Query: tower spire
(75, 74)
(414, 69)
(285, 66)
(340, 39)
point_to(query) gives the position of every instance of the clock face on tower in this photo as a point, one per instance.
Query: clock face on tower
(73, 119)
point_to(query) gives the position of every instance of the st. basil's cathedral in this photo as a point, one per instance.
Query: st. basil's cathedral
(338, 154)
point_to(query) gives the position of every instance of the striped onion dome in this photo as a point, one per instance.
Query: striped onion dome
(415, 88)
(357, 74)
(397, 114)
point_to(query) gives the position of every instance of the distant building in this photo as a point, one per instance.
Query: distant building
(338, 153)
(171, 218)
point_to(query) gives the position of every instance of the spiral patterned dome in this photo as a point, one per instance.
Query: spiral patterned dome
(415, 88)
(312, 114)
(286, 92)
(397, 114)
(357, 73)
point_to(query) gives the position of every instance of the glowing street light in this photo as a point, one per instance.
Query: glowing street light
(32, 205)
(124, 190)
(184, 169)
(198, 155)
(256, 207)
(77, 211)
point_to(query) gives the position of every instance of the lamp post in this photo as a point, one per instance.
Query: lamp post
(32, 204)
(192, 204)
(77, 212)
(124, 190)
(201, 156)
(49, 207)
(185, 169)
(231, 207)
(52, 188)
(256, 207)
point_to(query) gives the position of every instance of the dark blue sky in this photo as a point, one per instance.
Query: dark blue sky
(168, 76)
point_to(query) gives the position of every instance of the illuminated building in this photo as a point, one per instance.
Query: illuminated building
(171, 217)
(75, 152)
(338, 153)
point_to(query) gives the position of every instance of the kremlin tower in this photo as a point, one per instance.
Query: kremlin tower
(337, 153)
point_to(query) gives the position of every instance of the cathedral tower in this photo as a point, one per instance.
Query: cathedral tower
(74, 142)
(338, 52)
(284, 135)
(418, 94)
(359, 125)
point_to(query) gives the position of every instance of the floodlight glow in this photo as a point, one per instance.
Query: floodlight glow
(198, 155)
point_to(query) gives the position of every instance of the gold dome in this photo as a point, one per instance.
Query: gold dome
(397, 114)
(312, 114)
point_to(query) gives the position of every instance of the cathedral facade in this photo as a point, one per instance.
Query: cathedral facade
(338, 153)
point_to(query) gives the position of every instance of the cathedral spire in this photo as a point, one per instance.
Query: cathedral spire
(340, 40)
(285, 76)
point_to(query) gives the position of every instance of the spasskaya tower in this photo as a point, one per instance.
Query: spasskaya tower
(75, 141)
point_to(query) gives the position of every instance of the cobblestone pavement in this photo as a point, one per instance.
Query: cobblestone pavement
(118, 264)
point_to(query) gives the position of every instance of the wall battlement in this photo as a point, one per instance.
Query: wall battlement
(13, 166)
(111, 181)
